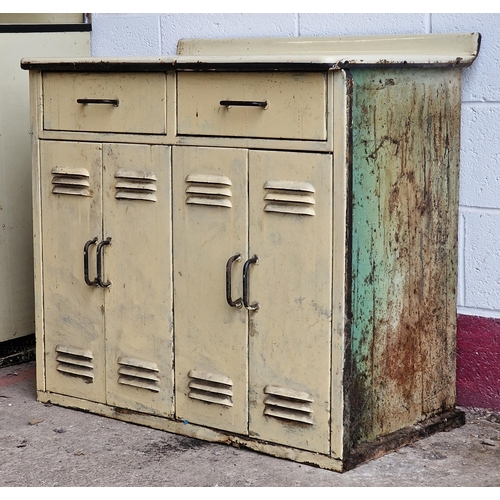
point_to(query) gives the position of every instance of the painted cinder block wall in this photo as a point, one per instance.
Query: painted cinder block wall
(478, 335)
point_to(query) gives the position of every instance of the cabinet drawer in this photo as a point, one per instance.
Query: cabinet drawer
(271, 105)
(132, 103)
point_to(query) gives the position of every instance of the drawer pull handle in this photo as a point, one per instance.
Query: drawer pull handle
(86, 262)
(256, 104)
(107, 241)
(238, 302)
(86, 102)
(255, 305)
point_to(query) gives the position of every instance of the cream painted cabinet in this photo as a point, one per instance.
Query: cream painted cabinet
(252, 266)
(210, 222)
(106, 275)
(290, 333)
(253, 249)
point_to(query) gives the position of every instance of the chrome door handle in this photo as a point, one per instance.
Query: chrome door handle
(86, 262)
(246, 292)
(107, 241)
(238, 302)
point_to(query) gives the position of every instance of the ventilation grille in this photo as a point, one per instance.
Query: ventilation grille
(75, 362)
(138, 373)
(288, 197)
(135, 185)
(210, 388)
(71, 181)
(288, 404)
(210, 190)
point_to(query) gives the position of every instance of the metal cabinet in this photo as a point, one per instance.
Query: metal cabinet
(107, 307)
(256, 250)
(252, 265)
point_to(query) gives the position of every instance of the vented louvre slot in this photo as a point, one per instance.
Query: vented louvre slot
(75, 351)
(138, 363)
(209, 190)
(71, 181)
(211, 398)
(286, 414)
(135, 185)
(71, 191)
(210, 377)
(305, 187)
(87, 373)
(130, 194)
(138, 373)
(289, 209)
(290, 197)
(288, 404)
(75, 362)
(139, 383)
(291, 404)
(135, 174)
(208, 179)
(210, 387)
(288, 393)
(211, 202)
(139, 185)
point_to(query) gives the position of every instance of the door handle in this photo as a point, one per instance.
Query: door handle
(238, 302)
(86, 262)
(256, 104)
(86, 102)
(103, 243)
(246, 291)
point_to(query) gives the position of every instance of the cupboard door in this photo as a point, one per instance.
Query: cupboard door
(138, 303)
(73, 312)
(290, 334)
(210, 226)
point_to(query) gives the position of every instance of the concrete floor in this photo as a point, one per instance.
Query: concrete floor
(45, 445)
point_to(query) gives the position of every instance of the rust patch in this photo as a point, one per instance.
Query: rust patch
(405, 170)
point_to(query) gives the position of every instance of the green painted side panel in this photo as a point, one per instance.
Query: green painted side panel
(405, 161)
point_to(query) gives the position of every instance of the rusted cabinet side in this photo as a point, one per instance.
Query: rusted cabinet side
(405, 162)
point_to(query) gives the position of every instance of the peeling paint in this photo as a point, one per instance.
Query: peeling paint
(404, 202)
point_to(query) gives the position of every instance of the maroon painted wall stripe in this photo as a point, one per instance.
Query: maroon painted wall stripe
(478, 362)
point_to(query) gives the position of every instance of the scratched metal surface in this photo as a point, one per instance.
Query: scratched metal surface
(405, 166)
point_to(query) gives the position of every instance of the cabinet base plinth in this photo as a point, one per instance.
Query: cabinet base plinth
(361, 454)
(385, 444)
(193, 431)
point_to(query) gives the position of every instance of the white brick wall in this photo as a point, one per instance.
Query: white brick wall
(479, 228)
(479, 242)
